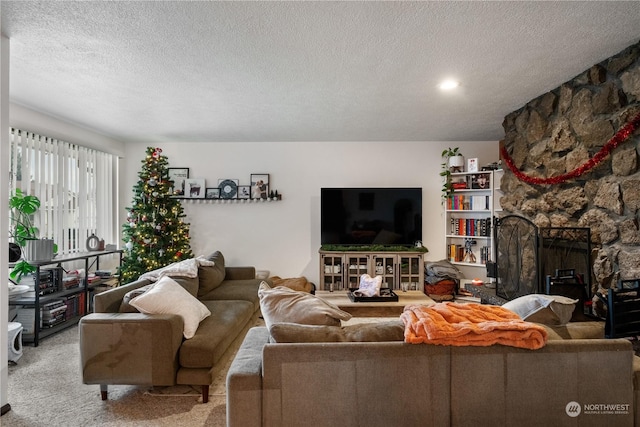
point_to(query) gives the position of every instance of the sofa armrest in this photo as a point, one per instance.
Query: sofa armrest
(239, 273)
(130, 348)
(109, 301)
(244, 381)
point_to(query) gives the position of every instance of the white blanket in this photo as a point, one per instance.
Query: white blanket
(186, 268)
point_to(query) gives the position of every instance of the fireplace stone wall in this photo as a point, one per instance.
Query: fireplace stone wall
(561, 130)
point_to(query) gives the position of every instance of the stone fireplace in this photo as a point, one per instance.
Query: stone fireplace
(557, 133)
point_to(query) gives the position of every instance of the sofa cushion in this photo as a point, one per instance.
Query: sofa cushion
(576, 330)
(168, 297)
(545, 309)
(246, 290)
(216, 333)
(392, 330)
(282, 304)
(210, 277)
(191, 284)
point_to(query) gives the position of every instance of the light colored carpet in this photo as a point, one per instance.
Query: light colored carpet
(45, 389)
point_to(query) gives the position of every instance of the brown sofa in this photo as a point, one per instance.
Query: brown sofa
(394, 383)
(119, 345)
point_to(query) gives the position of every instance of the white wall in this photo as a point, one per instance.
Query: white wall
(4, 220)
(284, 237)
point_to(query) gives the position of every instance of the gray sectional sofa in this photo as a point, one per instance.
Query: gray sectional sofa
(119, 345)
(586, 382)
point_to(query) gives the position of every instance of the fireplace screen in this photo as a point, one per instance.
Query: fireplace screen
(527, 256)
(516, 257)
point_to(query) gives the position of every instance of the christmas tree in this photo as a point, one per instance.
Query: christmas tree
(155, 234)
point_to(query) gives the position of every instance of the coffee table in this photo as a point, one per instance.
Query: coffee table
(374, 309)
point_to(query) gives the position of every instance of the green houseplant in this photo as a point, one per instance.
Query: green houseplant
(23, 232)
(452, 160)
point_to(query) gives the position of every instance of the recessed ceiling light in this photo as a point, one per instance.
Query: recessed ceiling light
(448, 84)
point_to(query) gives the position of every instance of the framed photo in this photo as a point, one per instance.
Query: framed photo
(178, 176)
(194, 188)
(244, 191)
(480, 181)
(228, 188)
(472, 165)
(212, 193)
(259, 185)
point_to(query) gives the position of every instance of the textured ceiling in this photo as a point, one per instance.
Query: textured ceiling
(301, 71)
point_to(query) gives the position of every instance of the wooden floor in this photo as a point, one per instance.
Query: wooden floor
(375, 309)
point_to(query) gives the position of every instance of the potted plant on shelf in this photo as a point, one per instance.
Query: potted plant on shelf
(453, 162)
(25, 234)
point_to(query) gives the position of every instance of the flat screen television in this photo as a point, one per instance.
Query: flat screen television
(371, 216)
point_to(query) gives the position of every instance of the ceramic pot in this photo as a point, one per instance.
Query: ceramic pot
(38, 250)
(456, 161)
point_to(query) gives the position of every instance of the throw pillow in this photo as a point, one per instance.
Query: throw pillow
(282, 304)
(369, 286)
(168, 297)
(295, 283)
(392, 330)
(210, 277)
(545, 309)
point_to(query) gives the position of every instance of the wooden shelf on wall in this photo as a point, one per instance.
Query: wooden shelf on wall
(228, 201)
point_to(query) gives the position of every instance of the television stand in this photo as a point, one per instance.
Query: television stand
(341, 270)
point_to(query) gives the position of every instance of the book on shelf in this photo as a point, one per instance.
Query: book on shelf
(479, 203)
(456, 252)
(470, 226)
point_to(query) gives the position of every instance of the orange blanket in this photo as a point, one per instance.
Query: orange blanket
(450, 323)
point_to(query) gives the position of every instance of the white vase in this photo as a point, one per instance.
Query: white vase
(38, 250)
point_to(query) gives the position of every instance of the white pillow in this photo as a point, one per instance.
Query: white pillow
(282, 304)
(369, 286)
(168, 297)
(545, 309)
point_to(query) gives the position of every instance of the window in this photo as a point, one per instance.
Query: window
(76, 187)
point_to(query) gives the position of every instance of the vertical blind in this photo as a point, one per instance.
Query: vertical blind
(75, 185)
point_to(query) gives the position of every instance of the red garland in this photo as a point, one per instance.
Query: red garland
(622, 135)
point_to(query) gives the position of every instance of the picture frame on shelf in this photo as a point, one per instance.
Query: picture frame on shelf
(194, 188)
(178, 176)
(472, 164)
(480, 181)
(259, 185)
(212, 193)
(244, 192)
(228, 188)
